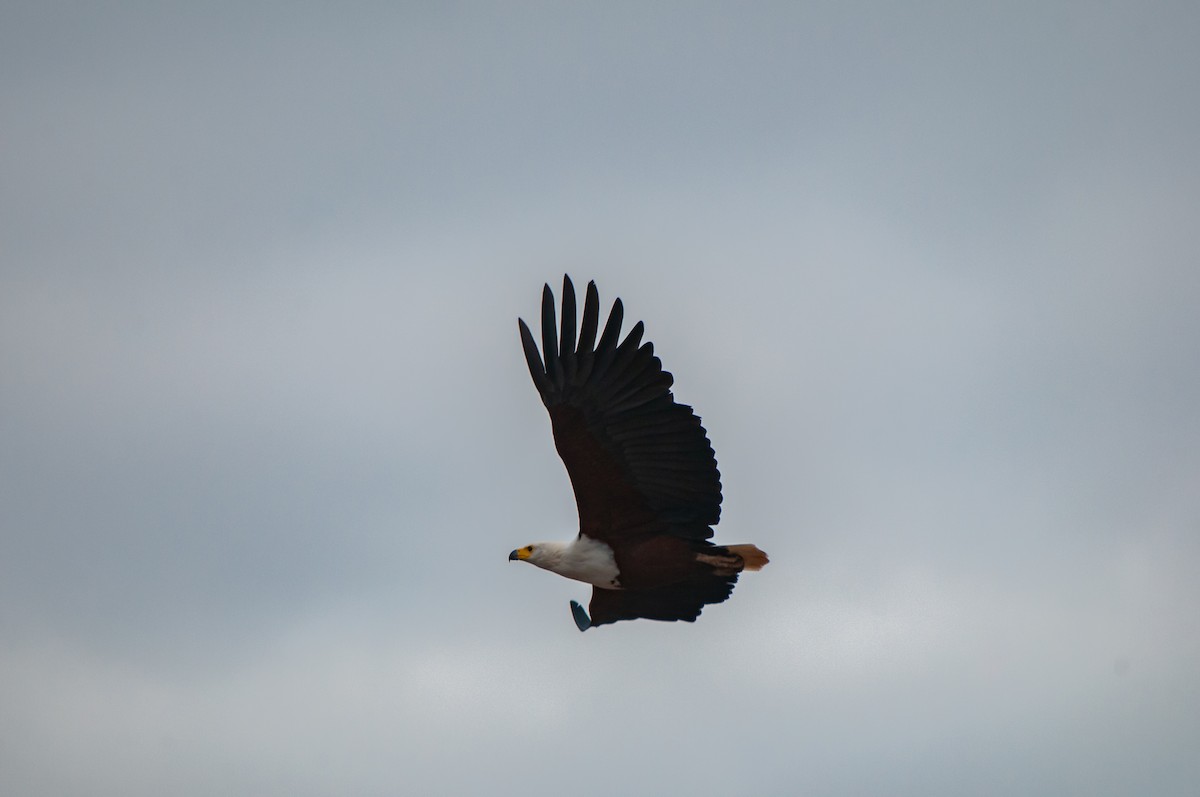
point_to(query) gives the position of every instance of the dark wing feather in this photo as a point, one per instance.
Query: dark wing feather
(674, 602)
(634, 455)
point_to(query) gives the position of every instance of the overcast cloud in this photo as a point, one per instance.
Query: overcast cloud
(928, 271)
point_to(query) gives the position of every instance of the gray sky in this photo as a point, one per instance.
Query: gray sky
(929, 273)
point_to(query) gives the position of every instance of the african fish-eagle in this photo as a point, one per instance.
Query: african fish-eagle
(643, 471)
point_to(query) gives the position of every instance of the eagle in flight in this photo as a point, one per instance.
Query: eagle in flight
(644, 473)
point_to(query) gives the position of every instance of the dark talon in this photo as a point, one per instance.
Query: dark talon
(582, 621)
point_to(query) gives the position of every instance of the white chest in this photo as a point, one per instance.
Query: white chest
(587, 560)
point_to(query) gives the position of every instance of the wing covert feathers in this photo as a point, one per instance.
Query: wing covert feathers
(634, 455)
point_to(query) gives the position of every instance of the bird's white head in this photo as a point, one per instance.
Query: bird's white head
(545, 555)
(582, 559)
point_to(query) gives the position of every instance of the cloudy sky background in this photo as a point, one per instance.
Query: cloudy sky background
(929, 273)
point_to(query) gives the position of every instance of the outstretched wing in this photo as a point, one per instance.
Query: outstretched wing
(636, 458)
(673, 602)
